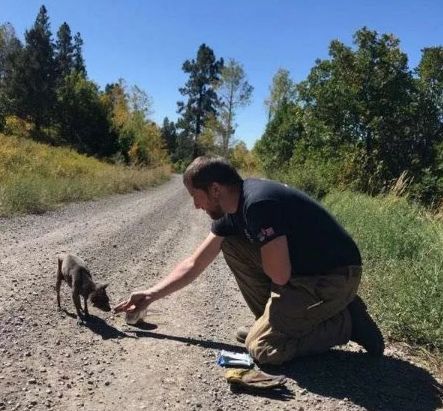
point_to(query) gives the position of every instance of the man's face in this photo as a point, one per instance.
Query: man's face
(207, 201)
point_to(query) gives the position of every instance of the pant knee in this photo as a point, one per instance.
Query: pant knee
(266, 352)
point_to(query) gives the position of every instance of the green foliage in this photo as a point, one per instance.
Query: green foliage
(169, 135)
(402, 249)
(276, 146)
(64, 52)
(360, 120)
(45, 94)
(315, 171)
(139, 140)
(10, 49)
(204, 73)
(282, 91)
(79, 63)
(18, 127)
(148, 147)
(34, 84)
(242, 159)
(430, 71)
(82, 118)
(235, 92)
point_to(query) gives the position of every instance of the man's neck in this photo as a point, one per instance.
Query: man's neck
(233, 200)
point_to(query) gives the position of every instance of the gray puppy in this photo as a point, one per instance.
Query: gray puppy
(73, 270)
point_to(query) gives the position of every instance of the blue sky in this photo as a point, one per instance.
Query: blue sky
(146, 42)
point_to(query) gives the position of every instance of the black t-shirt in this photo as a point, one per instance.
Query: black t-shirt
(267, 209)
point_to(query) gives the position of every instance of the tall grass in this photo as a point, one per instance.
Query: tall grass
(35, 177)
(402, 249)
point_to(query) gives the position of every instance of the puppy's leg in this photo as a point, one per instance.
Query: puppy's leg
(86, 306)
(76, 296)
(76, 300)
(59, 281)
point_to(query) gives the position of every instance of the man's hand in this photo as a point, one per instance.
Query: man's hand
(138, 301)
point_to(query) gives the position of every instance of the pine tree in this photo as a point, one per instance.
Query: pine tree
(79, 63)
(169, 134)
(36, 80)
(64, 52)
(204, 74)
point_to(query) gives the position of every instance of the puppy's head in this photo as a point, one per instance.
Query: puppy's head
(100, 299)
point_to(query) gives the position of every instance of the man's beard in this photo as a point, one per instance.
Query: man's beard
(216, 214)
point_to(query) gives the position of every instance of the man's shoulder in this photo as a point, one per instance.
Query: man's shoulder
(269, 193)
(261, 190)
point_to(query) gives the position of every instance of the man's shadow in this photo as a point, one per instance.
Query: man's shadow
(143, 330)
(375, 384)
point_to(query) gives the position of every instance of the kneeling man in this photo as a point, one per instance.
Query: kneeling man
(295, 265)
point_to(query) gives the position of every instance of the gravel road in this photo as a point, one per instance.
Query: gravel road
(131, 241)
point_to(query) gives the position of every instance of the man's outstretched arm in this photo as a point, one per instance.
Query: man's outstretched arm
(183, 274)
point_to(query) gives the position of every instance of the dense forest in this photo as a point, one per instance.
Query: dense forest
(362, 119)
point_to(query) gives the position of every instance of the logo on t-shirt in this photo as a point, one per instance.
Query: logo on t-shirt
(265, 233)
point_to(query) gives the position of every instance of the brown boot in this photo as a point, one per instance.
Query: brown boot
(242, 333)
(364, 329)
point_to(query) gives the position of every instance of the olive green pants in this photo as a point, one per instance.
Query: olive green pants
(306, 316)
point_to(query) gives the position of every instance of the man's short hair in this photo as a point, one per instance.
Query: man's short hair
(205, 170)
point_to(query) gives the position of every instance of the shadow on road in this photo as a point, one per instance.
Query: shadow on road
(281, 394)
(101, 327)
(192, 341)
(375, 384)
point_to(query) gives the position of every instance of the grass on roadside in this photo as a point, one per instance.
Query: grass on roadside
(35, 177)
(402, 249)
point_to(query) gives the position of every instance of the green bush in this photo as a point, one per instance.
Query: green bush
(315, 171)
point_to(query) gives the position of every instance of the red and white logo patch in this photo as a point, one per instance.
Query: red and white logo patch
(266, 233)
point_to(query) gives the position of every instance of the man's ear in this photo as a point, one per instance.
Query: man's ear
(214, 189)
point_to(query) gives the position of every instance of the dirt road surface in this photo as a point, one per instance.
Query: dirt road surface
(50, 362)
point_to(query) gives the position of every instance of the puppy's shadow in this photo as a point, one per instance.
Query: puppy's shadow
(101, 327)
